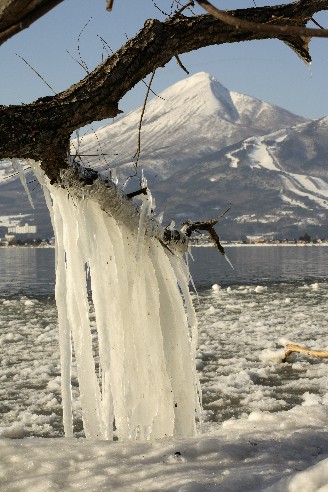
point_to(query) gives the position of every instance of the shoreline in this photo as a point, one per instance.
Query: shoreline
(208, 245)
(263, 245)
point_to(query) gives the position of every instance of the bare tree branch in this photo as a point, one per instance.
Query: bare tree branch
(189, 227)
(37, 73)
(16, 15)
(272, 29)
(137, 154)
(41, 130)
(292, 347)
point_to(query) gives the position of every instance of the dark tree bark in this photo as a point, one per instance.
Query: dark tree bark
(41, 130)
(16, 15)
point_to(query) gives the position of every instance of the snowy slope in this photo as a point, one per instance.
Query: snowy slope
(266, 152)
(280, 178)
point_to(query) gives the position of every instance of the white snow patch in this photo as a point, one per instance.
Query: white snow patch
(234, 160)
(12, 220)
(259, 154)
(296, 184)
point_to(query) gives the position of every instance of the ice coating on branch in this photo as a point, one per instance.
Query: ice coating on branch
(18, 167)
(136, 371)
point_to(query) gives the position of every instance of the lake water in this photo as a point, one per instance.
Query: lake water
(246, 315)
(31, 270)
(259, 264)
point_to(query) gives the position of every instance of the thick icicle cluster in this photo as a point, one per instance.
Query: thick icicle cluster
(144, 386)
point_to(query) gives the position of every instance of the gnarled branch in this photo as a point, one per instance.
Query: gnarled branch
(273, 29)
(189, 227)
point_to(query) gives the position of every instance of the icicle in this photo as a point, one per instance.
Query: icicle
(16, 163)
(182, 275)
(113, 176)
(65, 346)
(77, 132)
(191, 280)
(229, 261)
(171, 225)
(39, 174)
(159, 217)
(145, 211)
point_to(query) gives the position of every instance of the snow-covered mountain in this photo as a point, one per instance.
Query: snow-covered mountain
(191, 119)
(204, 147)
(275, 183)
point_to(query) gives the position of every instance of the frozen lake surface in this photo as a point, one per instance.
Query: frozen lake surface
(265, 423)
(246, 315)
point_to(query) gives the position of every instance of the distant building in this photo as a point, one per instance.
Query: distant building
(10, 238)
(264, 238)
(26, 229)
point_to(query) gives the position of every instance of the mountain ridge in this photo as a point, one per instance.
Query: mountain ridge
(194, 116)
(204, 147)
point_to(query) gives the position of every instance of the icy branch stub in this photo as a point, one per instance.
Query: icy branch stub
(136, 371)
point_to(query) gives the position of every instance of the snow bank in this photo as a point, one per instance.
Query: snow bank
(287, 451)
(314, 479)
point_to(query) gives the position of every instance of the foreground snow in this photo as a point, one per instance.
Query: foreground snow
(242, 327)
(286, 451)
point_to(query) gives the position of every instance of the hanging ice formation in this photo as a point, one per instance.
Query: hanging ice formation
(144, 384)
(18, 167)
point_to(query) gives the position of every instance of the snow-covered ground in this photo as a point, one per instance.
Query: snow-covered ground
(282, 452)
(265, 423)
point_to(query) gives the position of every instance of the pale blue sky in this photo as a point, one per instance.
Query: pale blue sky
(268, 70)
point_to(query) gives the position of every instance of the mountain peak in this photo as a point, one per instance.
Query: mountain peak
(202, 94)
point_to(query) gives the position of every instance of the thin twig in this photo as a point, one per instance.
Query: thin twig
(153, 92)
(105, 45)
(77, 61)
(181, 64)
(16, 174)
(172, 5)
(142, 191)
(91, 155)
(137, 154)
(37, 73)
(317, 23)
(99, 144)
(204, 225)
(158, 8)
(284, 30)
(78, 46)
(223, 213)
(184, 7)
